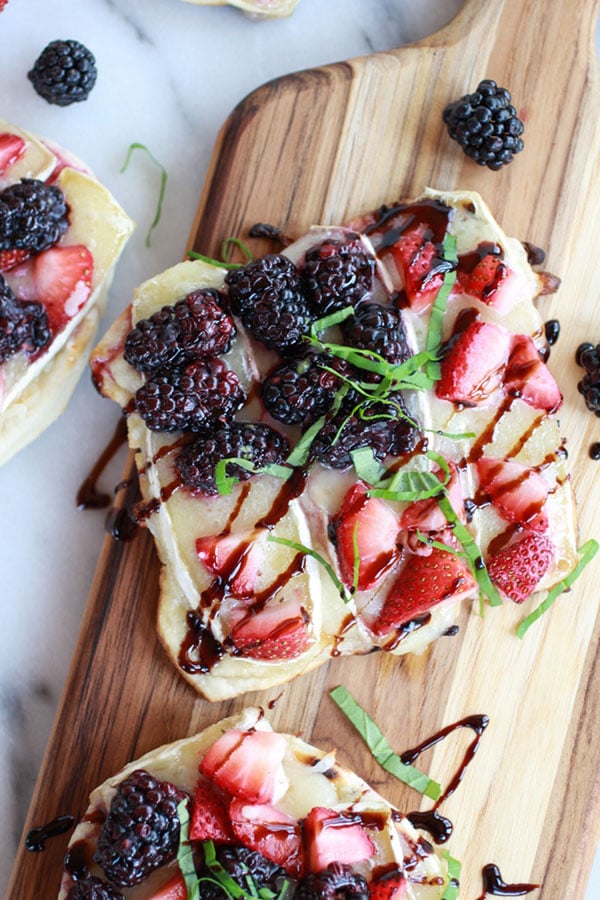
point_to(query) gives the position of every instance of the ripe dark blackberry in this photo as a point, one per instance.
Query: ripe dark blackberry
(486, 125)
(33, 216)
(64, 72)
(258, 443)
(188, 397)
(267, 296)
(378, 328)
(301, 390)
(335, 275)
(383, 429)
(23, 325)
(196, 327)
(336, 882)
(588, 356)
(141, 830)
(92, 888)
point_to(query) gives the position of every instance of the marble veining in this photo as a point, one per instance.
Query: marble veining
(169, 74)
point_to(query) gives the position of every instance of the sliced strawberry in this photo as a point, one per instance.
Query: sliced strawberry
(416, 258)
(63, 279)
(423, 582)
(494, 283)
(278, 631)
(426, 515)
(9, 259)
(517, 492)
(331, 836)
(366, 529)
(529, 378)
(210, 816)
(12, 147)
(474, 366)
(175, 889)
(248, 764)
(235, 558)
(390, 885)
(271, 832)
(518, 568)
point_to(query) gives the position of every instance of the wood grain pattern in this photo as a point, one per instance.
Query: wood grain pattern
(318, 147)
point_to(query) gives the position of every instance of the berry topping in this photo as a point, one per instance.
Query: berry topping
(10, 259)
(242, 863)
(301, 390)
(92, 888)
(63, 281)
(235, 558)
(196, 327)
(210, 817)
(270, 832)
(423, 582)
(141, 830)
(529, 378)
(421, 264)
(517, 492)
(278, 631)
(23, 326)
(474, 366)
(247, 764)
(588, 356)
(336, 275)
(267, 296)
(517, 569)
(390, 885)
(33, 216)
(366, 530)
(334, 837)
(64, 72)
(491, 281)
(336, 882)
(486, 125)
(259, 444)
(426, 515)
(12, 147)
(378, 328)
(189, 397)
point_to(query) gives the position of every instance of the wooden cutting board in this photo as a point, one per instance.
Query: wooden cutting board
(322, 146)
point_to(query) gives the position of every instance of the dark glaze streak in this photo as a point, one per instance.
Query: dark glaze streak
(439, 827)
(476, 451)
(78, 860)
(199, 650)
(88, 495)
(245, 490)
(290, 489)
(494, 884)
(35, 840)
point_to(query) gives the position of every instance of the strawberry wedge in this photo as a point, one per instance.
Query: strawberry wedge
(331, 836)
(278, 631)
(529, 378)
(63, 279)
(234, 557)
(12, 147)
(210, 818)
(518, 569)
(415, 257)
(269, 831)
(247, 764)
(517, 492)
(474, 367)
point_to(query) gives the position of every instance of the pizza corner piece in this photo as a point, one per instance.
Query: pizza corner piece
(243, 811)
(61, 234)
(339, 442)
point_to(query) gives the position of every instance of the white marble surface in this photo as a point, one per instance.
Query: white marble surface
(169, 73)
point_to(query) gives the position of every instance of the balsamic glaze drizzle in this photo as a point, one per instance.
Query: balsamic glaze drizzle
(35, 840)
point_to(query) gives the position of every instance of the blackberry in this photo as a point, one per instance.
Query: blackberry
(382, 429)
(336, 882)
(267, 296)
(196, 327)
(33, 216)
(23, 325)
(378, 328)
(141, 830)
(336, 274)
(92, 888)
(187, 397)
(258, 443)
(588, 356)
(486, 125)
(64, 73)
(301, 390)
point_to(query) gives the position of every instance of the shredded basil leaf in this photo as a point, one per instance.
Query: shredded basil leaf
(185, 858)
(300, 453)
(329, 321)
(366, 466)
(438, 310)
(225, 483)
(192, 254)
(163, 184)
(240, 245)
(586, 552)
(379, 747)
(308, 551)
(454, 870)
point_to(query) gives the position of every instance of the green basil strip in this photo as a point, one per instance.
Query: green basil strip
(439, 545)
(454, 870)
(163, 184)
(185, 858)
(366, 466)
(192, 254)
(222, 876)
(225, 483)
(329, 321)
(438, 310)
(379, 747)
(409, 486)
(300, 453)
(587, 552)
(308, 551)
(240, 245)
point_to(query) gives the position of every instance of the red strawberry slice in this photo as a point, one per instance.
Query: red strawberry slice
(519, 568)
(474, 366)
(12, 147)
(485, 279)
(423, 582)
(426, 515)
(173, 890)
(331, 836)
(372, 525)
(210, 816)
(235, 558)
(391, 885)
(278, 631)
(517, 492)
(63, 280)
(10, 259)
(529, 378)
(247, 764)
(271, 832)
(415, 257)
